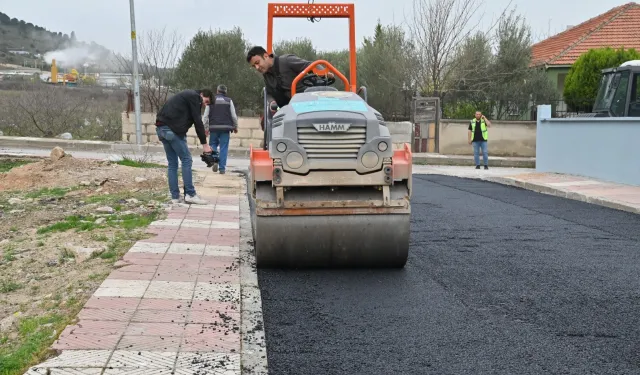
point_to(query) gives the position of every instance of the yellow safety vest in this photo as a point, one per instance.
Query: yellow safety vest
(483, 127)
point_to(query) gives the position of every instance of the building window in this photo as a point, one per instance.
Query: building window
(561, 78)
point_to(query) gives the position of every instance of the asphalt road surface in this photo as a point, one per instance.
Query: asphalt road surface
(499, 281)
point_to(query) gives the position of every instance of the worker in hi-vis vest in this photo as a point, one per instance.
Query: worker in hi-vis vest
(478, 136)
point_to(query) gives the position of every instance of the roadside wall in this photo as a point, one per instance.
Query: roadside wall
(249, 131)
(601, 148)
(506, 138)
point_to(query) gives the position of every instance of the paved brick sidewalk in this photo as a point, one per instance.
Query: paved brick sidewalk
(608, 194)
(183, 302)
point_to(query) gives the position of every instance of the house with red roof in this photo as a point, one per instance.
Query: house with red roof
(619, 27)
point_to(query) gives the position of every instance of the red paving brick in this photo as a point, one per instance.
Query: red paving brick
(217, 262)
(112, 303)
(173, 259)
(200, 213)
(164, 230)
(144, 261)
(137, 268)
(123, 275)
(86, 342)
(164, 324)
(227, 319)
(191, 239)
(123, 315)
(198, 305)
(195, 232)
(176, 215)
(154, 329)
(158, 239)
(217, 342)
(137, 256)
(172, 275)
(224, 241)
(227, 277)
(163, 304)
(160, 316)
(96, 327)
(226, 220)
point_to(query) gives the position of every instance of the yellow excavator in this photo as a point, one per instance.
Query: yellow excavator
(327, 188)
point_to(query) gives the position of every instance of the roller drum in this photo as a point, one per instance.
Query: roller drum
(334, 241)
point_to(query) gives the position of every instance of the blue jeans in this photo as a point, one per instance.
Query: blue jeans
(476, 152)
(176, 147)
(220, 139)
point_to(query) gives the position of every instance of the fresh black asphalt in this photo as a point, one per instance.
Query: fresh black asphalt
(500, 280)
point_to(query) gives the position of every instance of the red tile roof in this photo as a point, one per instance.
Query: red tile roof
(619, 27)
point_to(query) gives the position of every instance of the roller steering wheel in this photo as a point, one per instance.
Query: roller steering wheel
(312, 80)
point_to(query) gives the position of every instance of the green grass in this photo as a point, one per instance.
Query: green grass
(8, 286)
(88, 223)
(7, 165)
(79, 223)
(120, 244)
(48, 193)
(139, 164)
(9, 254)
(35, 336)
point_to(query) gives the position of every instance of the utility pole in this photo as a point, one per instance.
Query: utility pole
(136, 84)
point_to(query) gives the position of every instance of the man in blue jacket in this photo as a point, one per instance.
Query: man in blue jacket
(221, 118)
(173, 121)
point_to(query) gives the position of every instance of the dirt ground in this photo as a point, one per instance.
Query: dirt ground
(63, 225)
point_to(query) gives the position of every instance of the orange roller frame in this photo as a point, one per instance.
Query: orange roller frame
(304, 10)
(320, 72)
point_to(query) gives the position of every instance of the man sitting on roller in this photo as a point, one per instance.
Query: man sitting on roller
(278, 73)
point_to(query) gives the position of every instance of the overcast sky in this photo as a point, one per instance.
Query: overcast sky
(107, 22)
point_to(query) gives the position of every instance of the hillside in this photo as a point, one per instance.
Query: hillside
(22, 41)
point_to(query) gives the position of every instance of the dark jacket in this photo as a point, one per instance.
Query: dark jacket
(180, 112)
(220, 115)
(289, 66)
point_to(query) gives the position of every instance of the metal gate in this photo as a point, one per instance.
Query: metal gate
(425, 117)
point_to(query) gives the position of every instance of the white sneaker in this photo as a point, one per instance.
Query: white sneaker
(194, 199)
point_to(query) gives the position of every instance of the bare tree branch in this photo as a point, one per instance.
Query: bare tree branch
(438, 29)
(158, 55)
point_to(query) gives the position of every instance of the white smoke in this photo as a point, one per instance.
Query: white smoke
(72, 57)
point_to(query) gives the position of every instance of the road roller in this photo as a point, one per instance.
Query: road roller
(328, 189)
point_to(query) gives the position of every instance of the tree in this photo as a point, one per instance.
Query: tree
(501, 84)
(339, 60)
(158, 56)
(581, 83)
(301, 47)
(48, 111)
(438, 27)
(513, 82)
(213, 58)
(385, 67)
(470, 77)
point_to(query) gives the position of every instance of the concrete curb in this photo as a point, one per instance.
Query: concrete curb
(115, 147)
(253, 346)
(544, 189)
(462, 160)
(243, 152)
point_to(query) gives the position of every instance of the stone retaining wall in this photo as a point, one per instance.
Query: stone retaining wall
(506, 138)
(249, 132)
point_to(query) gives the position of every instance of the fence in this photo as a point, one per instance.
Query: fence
(503, 110)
